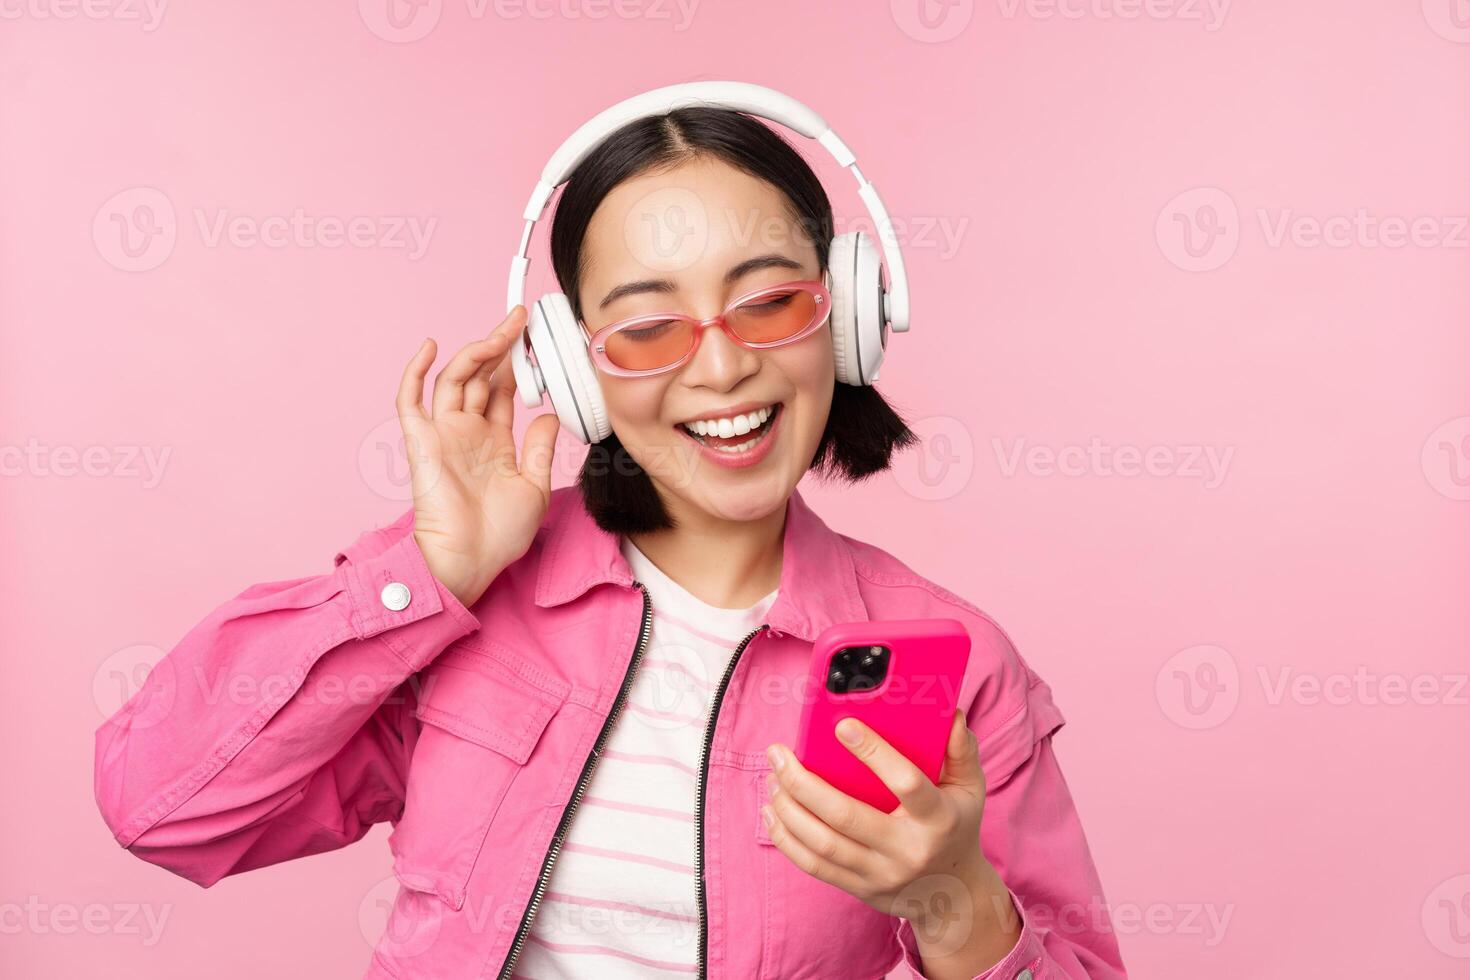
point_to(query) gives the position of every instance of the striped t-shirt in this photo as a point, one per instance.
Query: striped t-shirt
(620, 902)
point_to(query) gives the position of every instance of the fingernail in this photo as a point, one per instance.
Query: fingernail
(767, 817)
(771, 783)
(847, 730)
(777, 760)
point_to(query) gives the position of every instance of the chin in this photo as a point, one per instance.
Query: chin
(745, 498)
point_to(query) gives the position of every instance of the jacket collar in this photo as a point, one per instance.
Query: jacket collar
(818, 585)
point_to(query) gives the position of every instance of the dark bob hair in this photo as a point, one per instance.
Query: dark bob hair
(862, 432)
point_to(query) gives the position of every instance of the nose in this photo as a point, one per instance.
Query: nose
(719, 362)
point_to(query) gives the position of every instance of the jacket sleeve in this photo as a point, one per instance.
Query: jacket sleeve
(281, 724)
(1033, 836)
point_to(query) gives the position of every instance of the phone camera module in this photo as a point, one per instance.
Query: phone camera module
(859, 668)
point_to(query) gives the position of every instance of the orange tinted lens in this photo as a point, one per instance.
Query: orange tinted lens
(650, 345)
(773, 316)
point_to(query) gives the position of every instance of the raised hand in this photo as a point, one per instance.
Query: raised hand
(477, 506)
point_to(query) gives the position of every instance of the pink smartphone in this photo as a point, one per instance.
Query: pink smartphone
(899, 677)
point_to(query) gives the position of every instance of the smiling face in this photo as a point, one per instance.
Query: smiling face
(690, 240)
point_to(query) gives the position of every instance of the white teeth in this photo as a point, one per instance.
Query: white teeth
(735, 425)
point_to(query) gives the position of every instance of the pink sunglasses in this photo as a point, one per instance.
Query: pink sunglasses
(772, 316)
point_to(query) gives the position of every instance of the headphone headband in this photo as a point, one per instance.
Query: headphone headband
(746, 97)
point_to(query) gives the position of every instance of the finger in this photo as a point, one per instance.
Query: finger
(962, 758)
(501, 409)
(539, 450)
(802, 856)
(916, 793)
(847, 815)
(411, 385)
(819, 838)
(479, 391)
(501, 415)
(450, 382)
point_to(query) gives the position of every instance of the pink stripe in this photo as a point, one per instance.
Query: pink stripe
(658, 760)
(652, 811)
(605, 904)
(671, 715)
(675, 665)
(617, 855)
(620, 954)
(691, 628)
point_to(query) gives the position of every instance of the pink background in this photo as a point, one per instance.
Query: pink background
(1044, 165)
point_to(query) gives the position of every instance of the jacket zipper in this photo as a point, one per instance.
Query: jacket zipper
(709, 731)
(524, 929)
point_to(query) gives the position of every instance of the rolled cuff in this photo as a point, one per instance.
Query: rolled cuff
(1026, 955)
(430, 620)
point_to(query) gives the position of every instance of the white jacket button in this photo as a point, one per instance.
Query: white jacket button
(1025, 975)
(396, 596)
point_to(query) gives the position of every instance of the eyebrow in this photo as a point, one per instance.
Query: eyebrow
(768, 261)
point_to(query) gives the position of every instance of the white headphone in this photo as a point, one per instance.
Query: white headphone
(552, 356)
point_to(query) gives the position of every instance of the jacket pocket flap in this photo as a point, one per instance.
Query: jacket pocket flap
(484, 701)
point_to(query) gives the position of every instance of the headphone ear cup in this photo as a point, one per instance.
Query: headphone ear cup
(566, 368)
(859, 332)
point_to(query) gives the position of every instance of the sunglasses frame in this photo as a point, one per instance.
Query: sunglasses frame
(597, 343)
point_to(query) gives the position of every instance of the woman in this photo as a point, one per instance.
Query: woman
(577, 707)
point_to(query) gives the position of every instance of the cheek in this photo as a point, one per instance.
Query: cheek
(812, 366)
(634, 408)
(811, 373)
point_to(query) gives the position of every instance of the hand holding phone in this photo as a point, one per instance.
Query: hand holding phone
(899, 677)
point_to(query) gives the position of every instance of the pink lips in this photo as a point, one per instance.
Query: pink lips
(752, 455)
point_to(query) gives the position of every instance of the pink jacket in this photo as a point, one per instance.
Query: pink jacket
(301, 712)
